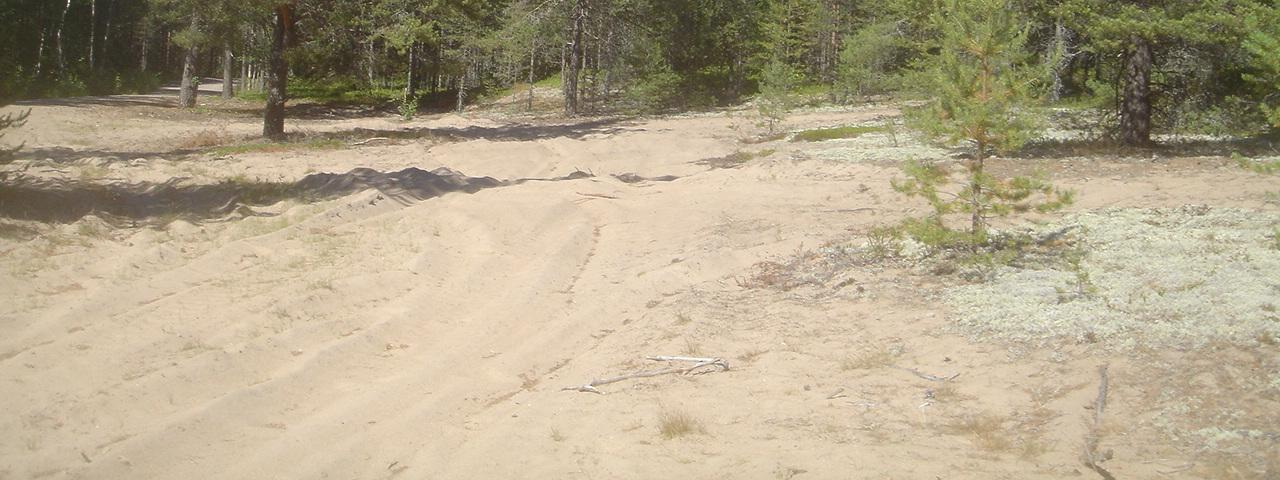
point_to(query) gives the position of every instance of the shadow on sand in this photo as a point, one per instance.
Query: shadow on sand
(67, 201)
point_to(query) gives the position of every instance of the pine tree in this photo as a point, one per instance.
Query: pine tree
(1138, 31)
(982, 77)
(1263, 45)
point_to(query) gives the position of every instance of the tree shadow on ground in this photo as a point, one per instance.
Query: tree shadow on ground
(1262, 145)
(505, 133)
(63, 201)
(66, 156)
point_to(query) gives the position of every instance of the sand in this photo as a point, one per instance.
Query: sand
(366, 337)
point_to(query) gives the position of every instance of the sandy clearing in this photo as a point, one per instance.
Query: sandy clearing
(363, 338)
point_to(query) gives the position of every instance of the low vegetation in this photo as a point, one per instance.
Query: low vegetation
(834, 133)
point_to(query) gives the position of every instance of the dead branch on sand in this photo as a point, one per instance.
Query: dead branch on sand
(1092, 458)
(699, 367)
(931, 378)
(367, 140)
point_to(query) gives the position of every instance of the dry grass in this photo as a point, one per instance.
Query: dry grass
(204, 139)
(678, 423)
(750, 356)
(869, 356)
(986, 430)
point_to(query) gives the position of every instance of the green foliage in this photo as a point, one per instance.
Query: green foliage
(867, 61)
(7, 121)
(408, 107)
(982, 76)
(821, 134)
(776, 98)
(655, 91)
(982, 196)
(1263, 45)
(1259, 167)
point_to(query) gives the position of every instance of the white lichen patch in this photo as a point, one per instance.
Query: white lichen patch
(1179, 277)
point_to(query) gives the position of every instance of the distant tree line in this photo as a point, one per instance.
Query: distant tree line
(1150, 64)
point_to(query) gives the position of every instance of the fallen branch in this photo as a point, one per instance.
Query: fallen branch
(367, 140)
(698, 364)
(1091, 457)
(931, 378)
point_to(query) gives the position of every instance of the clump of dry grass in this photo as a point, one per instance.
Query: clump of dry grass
(803, 267)
(204, 139)
(674, 423)
(868, 356)
(986, 429)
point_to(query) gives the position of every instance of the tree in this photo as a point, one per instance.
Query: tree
(983, 79)
(776, 83)
(282, 35)
(1138, 30)
(1263, 45)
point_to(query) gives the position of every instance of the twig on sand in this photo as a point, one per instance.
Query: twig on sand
(1092, 458)
(367, 140)
(931, 378)
(699, 366)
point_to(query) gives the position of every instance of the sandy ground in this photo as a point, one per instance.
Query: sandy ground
(366, 338)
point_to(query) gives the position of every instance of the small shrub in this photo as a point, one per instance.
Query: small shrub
(678, 423)
(408, 107)
(776, 98)
(884, 242)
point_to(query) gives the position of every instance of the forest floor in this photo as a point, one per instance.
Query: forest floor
(406, 332)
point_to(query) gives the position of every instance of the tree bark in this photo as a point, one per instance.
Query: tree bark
(277, 77)
(1135, 110)
(104, 51)
(462, 80)
(93, 33)
(533, 54)
(57, 40)
(411, 83)
(187, 92)
(574, 62)
(228, 79)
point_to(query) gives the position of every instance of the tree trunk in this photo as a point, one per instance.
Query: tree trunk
(533, 54)
(975, 188)
(142, 59)
(1059, 55)
(104, 51)
(244, 74)
(411, 83)
(57, 40)
(462, 80)
(1135, 110)
(228, 80)
(369, 62)
(575, 61)
(277, 78)
(93, 33)
(40, 53)
(190, 85)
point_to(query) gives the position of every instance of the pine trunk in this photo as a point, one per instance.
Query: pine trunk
(1135, 110)
(57, 40)
(228, 79)
(187, 92)
(574, 61)
(93, 33)
(411, 84)
(533, 54)
(277, 79)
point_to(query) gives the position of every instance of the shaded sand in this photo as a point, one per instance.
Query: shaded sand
(359, 337)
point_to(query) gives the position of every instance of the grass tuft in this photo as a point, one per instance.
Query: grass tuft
(834, 133)
(678, 423)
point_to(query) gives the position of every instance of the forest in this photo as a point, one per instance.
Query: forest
(1168, 65)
